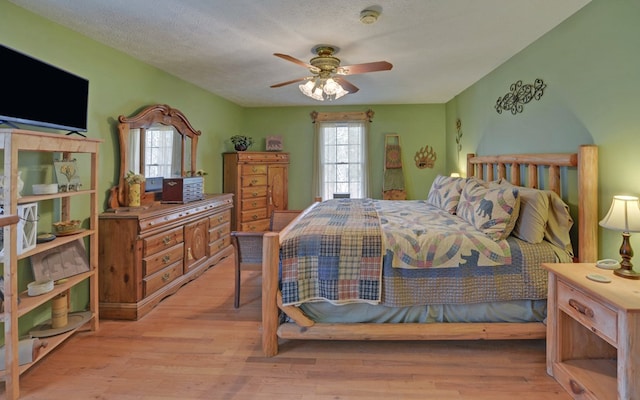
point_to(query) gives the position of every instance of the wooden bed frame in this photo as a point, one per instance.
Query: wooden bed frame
(484, 167)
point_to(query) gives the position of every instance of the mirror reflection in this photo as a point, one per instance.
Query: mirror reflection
(157, 151)
(158, 141)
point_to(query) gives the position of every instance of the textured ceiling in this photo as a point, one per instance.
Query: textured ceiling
(437, 47)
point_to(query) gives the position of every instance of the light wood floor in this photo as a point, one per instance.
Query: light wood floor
(195, 345)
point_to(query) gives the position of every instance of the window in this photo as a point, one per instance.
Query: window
(342, 159)
(341, 155)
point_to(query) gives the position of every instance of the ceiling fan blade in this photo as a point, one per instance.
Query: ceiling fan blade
(287, 82)
(364, 68)
(348, 86)
(294, 60)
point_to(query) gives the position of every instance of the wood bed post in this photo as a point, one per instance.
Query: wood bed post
(471, 170)
(588, 203)
(270, 264)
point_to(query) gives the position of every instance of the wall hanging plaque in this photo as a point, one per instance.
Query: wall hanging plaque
(425, 157)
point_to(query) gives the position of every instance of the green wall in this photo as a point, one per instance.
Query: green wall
(417, 125)
(591, 65)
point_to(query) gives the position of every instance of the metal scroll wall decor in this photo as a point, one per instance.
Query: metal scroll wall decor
(520, 94)
(459, 137)
(425, 157)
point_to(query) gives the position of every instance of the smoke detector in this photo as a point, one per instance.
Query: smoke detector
(369, 17)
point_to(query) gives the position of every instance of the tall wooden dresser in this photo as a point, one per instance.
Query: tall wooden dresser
(259, 181)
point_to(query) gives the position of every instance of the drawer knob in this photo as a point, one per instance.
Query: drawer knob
(254, 169)
(166, 240)
(166, 276)
(254, 181)
(254, 217)
(575, 387)
(581, 308)
(166, 259)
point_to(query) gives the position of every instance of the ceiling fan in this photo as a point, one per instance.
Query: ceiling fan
(326, 82)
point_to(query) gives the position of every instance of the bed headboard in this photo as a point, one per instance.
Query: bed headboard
(586, 163)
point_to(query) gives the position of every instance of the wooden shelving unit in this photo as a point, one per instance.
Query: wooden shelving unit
(13, 142)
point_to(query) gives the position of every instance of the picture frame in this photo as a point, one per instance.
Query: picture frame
(67, 176)
(274, 143)
(60, 262)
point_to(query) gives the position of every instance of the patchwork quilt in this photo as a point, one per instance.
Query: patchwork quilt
(404, 253)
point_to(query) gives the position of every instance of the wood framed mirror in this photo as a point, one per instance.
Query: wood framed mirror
(158, 142)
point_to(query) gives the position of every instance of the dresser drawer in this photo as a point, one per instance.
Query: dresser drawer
(252, 204)
(591, 313)
(219, 231)
(253, 215)
(253, 192)
(255, 169)
(255, 226)
(154, 282)
(254, 180)
(219, 244)
(162, 241)
(220, 218)
(160, 260)
(258, 156)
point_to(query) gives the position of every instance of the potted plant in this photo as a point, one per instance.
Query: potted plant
(241, 142)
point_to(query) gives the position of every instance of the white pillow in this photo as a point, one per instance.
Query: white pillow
(534, 213)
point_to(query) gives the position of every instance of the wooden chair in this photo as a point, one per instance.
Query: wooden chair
(248, 246)
(281, 218)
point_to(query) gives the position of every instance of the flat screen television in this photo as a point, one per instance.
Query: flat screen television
(39, 94)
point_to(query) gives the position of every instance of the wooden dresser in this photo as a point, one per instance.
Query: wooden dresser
(259, 181)
(148, 253)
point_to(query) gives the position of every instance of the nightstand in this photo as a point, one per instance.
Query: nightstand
(593, 332)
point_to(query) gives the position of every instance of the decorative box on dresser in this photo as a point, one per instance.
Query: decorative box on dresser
(149, 252)
(593, 332)
(259, 181)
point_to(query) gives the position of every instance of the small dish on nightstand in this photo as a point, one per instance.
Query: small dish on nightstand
(608, 263)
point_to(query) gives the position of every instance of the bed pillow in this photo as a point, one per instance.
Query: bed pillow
(445, 193)
(493, 211)
(534, 213)
(559, 223)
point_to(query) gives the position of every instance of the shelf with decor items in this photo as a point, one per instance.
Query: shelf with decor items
(593, 332)
(80, 289)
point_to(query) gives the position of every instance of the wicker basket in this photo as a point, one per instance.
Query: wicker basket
(66, 227)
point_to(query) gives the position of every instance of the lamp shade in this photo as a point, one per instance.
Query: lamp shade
(624, 215)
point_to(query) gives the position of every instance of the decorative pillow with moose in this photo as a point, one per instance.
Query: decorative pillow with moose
(493, 211)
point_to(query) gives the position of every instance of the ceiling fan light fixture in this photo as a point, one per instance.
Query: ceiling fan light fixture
(331, 87)
(322, 89)
(307, 88)
(340, 92)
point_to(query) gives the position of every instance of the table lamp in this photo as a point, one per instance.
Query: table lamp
(624, 216)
